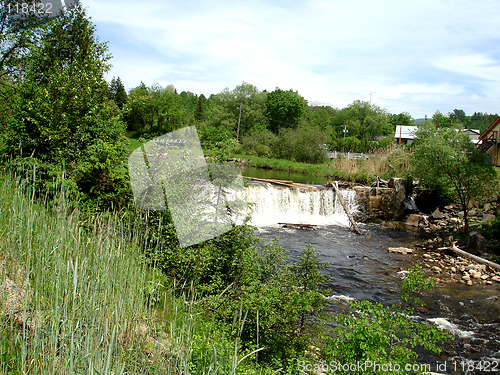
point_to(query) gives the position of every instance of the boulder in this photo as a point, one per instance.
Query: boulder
(437, 215)
(476, 243)
(487, 217)
(414, 220)
(487, 207)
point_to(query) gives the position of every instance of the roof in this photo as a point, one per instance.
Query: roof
(476, 131)
(492, 126)
(406, 132)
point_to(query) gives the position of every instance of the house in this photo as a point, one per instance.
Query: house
(474, 135)
(490, 142)
(405, 135)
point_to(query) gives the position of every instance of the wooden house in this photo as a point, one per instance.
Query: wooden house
(490, 142)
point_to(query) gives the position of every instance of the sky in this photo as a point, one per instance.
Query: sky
(404, 56)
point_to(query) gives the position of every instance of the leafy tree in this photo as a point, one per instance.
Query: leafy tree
(304, 144)
(404, 118)
(225, 110)
(446, 159)
(117, 92)
(63, 110)
(366, 121)
(284, 109)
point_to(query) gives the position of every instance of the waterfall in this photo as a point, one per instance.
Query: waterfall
(272, 204)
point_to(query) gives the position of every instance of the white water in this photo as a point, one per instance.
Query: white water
(273, 204)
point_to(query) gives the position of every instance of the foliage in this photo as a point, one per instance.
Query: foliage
(304, 144)
(259, 143)
(379, 334)
(225, 109)
(446, 159)
(117, 92)
(284, 109)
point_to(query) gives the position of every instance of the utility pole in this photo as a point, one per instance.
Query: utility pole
(239, 120)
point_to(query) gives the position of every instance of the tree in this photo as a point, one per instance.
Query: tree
(445, 159)
(225, 111)
(63, 117)
(117, 92)
(284, 109)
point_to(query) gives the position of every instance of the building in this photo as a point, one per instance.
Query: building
(405, 135)
(490, 142)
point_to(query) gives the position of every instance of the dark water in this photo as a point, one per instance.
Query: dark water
(361, 267)
(283, 175)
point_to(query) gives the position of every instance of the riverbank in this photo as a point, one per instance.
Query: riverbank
(363, 171)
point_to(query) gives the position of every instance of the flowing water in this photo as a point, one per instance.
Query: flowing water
(360, 267)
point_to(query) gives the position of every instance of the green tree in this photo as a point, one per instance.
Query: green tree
(226, 106)
(63, 110)
(284, 109)
(117, 92)
(447, 160)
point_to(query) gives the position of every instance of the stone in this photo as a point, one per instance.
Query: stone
(487, 217)
(449, 207)
(455, 220)
(453, 269)
(496, 278)
(484, 277)
(437, 215)
(487, 207)
(466, 277)
(436, 269)
(460, 214)
(414, 220)
(427, 255)
(400, 250)
(469, 282)
(476, 243)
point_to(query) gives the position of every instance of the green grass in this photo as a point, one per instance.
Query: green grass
(80, 302)
(133, 142)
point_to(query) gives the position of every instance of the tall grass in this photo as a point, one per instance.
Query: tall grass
(73, 301)
(392, 162)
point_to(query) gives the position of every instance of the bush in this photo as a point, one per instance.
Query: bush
(304, 144)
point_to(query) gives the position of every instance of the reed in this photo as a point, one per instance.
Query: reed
(73, 301)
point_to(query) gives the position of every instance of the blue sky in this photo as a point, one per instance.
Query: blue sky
(407, 56)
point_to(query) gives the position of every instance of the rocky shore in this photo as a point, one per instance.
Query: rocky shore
(436, 256)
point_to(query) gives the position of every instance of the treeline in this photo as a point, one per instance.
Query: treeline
(278, 124)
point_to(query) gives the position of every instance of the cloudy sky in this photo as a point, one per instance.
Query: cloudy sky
(406, 56)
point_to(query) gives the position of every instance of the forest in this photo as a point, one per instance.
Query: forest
(99, 286)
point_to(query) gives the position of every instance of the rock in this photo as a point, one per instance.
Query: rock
(469, 282)
(487, 207)
(484, 277)
(400, 250)
(496, 278)
(437, 215)
(414, 220)
(466, 277)
(449, 207)
(476, 243)
(453, 269)
(487, 217)
(460, 214)
(427, 255)
(436, 269)
(455, 220)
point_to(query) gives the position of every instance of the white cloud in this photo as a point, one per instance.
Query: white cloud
(405, 53)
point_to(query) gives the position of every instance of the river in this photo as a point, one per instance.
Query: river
(360, 267)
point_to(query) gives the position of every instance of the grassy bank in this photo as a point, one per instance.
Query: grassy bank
(386, 164)
(75, 300)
